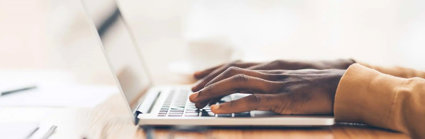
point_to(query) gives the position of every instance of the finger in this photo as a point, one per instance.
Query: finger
(211, 75)
(201, 105)
(218, 99)
(205, 103)
(232, 71)
(214, 100)
(203, 73)
(269, 65)
(280, 64)
(248, 103)
(232, 85)
(201, 83)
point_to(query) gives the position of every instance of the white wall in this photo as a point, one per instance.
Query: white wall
(53, 35)
(49, 34)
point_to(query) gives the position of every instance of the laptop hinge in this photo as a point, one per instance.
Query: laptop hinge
(136, 113)
(136, 116)
(147, 105)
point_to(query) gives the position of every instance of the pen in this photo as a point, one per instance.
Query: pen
(17, 90)
(50, 132)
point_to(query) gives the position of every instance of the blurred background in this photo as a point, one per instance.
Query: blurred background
(177, 37)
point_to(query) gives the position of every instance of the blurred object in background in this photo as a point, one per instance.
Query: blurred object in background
(52, 89)
(379, 32)
(210, 51)
(204, 53)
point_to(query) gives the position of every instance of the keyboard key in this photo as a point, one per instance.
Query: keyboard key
(191, 109)
(207, 114)
(243, 114)
(180, 106)
(174, 115)
(224, 115)
(176, 109)
(225, 99)
(191, 114)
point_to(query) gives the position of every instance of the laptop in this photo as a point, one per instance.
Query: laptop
(168, 105)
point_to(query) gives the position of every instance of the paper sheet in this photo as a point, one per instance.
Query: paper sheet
(60, 96)
(17, 130)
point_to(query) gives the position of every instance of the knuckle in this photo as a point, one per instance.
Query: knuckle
(231, 70)
(205, 92)
(256, 100)
(234, 62)
(274, 87)
(283, 87)
(276, 62)
(208, 88)
(232, 104)
(284, 107)
(240, 78)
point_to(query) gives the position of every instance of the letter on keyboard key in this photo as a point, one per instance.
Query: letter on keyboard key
(243, 114)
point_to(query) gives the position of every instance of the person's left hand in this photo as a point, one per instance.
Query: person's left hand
(307, 91)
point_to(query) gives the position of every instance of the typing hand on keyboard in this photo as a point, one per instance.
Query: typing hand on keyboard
(306, 91)
(177, 104)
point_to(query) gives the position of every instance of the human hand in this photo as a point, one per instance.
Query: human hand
(207, 75)
(306, 91)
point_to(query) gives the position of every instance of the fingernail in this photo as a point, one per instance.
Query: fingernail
(196, 73)
(193, 97)
(215, 106)
(194, 89)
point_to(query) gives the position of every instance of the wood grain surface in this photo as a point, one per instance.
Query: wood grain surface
(111, 120)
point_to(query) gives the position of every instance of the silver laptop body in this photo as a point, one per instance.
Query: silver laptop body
(167, 105)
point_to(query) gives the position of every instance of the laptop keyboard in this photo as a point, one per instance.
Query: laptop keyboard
(177, 104)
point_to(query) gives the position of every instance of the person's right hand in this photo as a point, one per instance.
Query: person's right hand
(305, 91)
(207, 75)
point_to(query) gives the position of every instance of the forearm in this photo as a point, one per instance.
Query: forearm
(334, 64)
(368, 96)
(300, 64)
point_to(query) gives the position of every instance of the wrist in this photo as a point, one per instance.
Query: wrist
(345, 63)
(334, 85)
(335, 64)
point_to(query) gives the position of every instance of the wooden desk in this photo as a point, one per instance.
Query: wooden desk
(111, 121)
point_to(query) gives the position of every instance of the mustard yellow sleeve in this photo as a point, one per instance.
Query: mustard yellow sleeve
(368, 96)
(397, 71)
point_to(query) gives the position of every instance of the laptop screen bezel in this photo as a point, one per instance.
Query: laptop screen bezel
(117, 15)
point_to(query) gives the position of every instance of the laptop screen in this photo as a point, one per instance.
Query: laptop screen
(119, 48)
